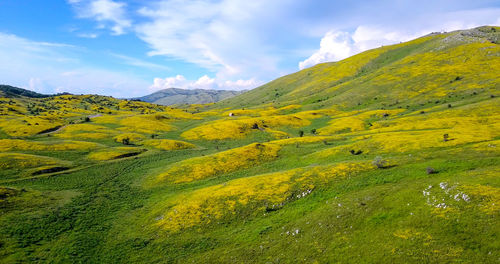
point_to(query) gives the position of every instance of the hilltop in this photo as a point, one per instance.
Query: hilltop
(176, 96)
(389, 156)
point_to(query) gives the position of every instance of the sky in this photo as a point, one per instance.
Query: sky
(129, 48)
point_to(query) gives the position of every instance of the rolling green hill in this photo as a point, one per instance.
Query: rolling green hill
(176, 96)
(389, 156)
(437, 66)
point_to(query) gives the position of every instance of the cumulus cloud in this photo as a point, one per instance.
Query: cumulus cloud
(333, 46)
(204, 82)
(107, 13)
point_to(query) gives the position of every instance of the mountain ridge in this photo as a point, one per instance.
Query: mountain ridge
(178, 96)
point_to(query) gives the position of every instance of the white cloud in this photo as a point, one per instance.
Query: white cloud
(333, 46)
(37, 85)
(88, 35)
(204, 82)
(178, 81)
(139, 63)
(241, 84)
(107, 13)
(222, 36)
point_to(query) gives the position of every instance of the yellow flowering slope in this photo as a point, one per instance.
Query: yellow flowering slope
(223, 162)
(250, 195)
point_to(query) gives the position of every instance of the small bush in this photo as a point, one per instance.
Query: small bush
(301, 133)
(380, 162)
(126, 141)
(353, 152)
(430, 170)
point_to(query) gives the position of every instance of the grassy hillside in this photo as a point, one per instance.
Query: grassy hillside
(442, 67)
(175, 96)
(390, 156)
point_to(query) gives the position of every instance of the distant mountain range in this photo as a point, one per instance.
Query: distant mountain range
(173, 96)
(170, 96)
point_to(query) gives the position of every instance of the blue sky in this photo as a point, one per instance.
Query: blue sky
(127, 48)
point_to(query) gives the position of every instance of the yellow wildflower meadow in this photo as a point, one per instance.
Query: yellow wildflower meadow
(168, 144)
(219, 163)
(147, 124)
(253, 194)
(355, 122)
(239, 128)
(132, 137)
(28, 125)
(18, 144)
(115, 153)
(22, 161)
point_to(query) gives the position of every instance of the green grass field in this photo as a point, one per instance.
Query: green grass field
(390, 156)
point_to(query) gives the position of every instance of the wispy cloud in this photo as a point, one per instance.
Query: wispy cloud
(139, 63)
(108, 13)
(225, 37)
(88, 35)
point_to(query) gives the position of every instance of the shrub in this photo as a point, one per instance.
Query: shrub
(430, 170)
(380, 162)
(301, 133)
(126, 141)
